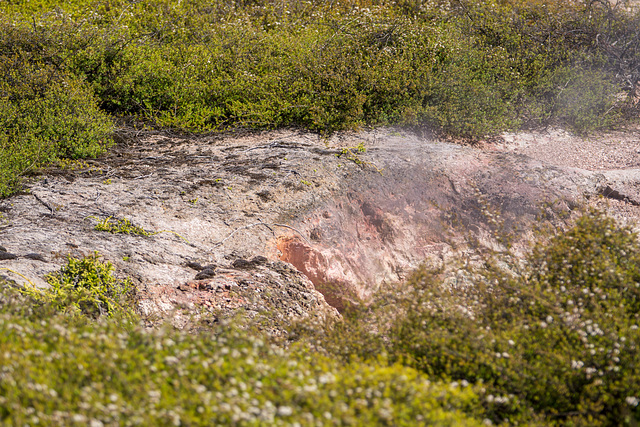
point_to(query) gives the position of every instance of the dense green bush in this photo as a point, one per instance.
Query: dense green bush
(46, 113)
(53, 372)
(469, 67)
(557, 341)
(87, 286)
(464, 67)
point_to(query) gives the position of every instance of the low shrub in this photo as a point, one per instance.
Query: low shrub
(86, 286)
(468, 68)
(555, 341)
(46, 113)
(53, 372)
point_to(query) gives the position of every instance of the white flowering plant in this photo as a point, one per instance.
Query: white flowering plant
(556, 341)
(55, 370)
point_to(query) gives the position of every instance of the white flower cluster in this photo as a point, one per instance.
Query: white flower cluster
(498, 399)
(632, 401)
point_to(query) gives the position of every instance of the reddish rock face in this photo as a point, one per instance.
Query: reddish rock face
(273, 292)
(336, 286)
(306, 259)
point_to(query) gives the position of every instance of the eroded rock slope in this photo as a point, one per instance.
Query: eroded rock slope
(289, 224)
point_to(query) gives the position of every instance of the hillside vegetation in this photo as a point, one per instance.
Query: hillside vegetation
(554, 341)
(551, 339)
(69, 69)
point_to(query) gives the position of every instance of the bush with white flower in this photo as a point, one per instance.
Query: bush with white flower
(555, 341)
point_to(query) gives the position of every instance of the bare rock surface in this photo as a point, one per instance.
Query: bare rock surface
(286, 224)
(613, 158)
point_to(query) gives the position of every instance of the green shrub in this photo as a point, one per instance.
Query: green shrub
(557, 342)
(587, 99)
(87, 286)
(53, 372)
(468, 68)
(46, 113)
(124, 226)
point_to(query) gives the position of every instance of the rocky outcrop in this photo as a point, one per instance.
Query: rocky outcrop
(269, 294)
(224, 218)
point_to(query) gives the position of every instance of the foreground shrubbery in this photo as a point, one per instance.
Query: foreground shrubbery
(557, 341)
(59, 370)
(466, 67)
(553, 342)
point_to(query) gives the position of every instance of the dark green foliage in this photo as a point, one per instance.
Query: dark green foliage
(557, 342)
(87, 286)
(463, 67)
(470, 68)
(46, 112)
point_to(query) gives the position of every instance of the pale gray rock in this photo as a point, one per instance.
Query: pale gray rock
(294, 224)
